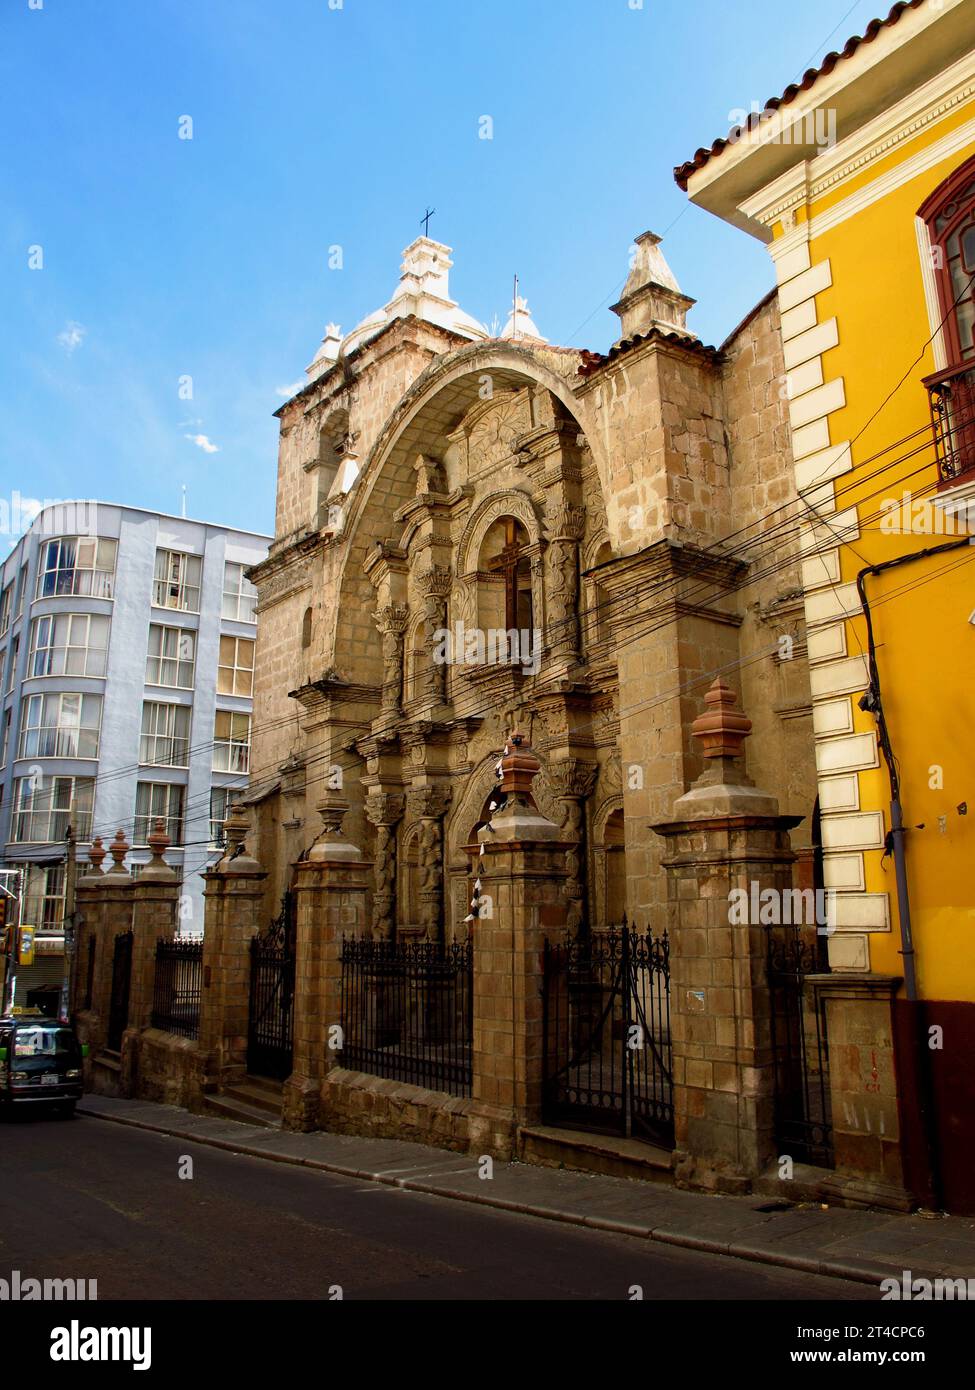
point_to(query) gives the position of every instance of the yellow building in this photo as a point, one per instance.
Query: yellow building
(861, 181)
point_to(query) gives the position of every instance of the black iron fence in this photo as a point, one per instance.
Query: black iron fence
(408, 1012)
(118, 1009)
(608, 1054)
(271, 1006)
(177, 988)
(803, 1119)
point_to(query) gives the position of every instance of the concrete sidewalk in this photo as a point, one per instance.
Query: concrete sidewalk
(865, 1246)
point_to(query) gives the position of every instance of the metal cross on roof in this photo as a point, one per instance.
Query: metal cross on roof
(426, 220)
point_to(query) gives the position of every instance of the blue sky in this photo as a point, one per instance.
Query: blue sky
(316, 126)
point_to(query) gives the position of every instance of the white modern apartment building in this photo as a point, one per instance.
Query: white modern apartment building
(126, 659)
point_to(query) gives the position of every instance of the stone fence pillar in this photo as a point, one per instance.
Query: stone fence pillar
(155, 913)
(233, 899)
(523, 873)
(725, 835)
(90, 947)
(331, 886)
(109, 901)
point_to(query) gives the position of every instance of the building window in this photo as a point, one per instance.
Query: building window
(614, 845)
(165, 740)
(6, 606)
(505, 579)
(44, 897)
(77, 565)
(158, 801)
(231, 741)
(60, 726)
(21, 589)
(950, 215)
(239, 594)
(44, 808)
(220, 802)
(235, 674)
(176, 582)
(12, 662)
(68, 644)
(172, 654)
(5, 736)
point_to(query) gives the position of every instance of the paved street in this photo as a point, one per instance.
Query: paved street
(96, 1200)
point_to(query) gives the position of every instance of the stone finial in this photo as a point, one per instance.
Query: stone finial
(158, 841)
(651, 296)
(235, 829)
(96, 855)
(118, 849)
(722, 729)
(518, 768)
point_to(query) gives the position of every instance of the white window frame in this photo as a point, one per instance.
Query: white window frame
(236, 669)
(71, 626)
(164, 746)
(49, 719)
(238, 592)
(52, 819)
(6, 607)
(90, 580)
(182, 639)
(176, 587)
(218, 838)
(157, 800)
(231, 749)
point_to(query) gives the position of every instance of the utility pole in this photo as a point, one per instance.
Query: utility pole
(70, 952)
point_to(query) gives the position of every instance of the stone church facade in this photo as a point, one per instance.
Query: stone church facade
(440, 490)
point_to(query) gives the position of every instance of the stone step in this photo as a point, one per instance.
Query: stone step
(240, 1110)
(265, 1083)
(608, 1154)
(256, 1096)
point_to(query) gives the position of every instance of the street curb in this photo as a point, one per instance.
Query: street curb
(859, 1272)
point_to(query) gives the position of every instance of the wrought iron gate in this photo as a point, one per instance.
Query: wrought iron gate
(607, 1034)
(118, 1010)
(803, 1120)
(270, 1023)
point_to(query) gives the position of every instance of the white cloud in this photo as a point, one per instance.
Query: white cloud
(288, 391)
(72, 335)
(201, 442)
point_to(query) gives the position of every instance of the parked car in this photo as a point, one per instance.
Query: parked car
(40, 1063)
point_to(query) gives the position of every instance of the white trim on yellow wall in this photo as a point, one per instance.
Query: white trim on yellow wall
(931, 301)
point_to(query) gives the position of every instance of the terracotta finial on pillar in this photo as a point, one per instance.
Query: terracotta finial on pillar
(722, 729)
(118, 849)
(518, 768)
(158, 841)
(96, 855)
(235, 829)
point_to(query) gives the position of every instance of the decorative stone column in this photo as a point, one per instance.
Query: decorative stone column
(429, 806)
(155, 914)
(523, 873)
(391, 622)
(725, 835)
(233, 899)
(565, 527)
(384, 812)
(331, 885)
(572, 782)
(434, 585)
